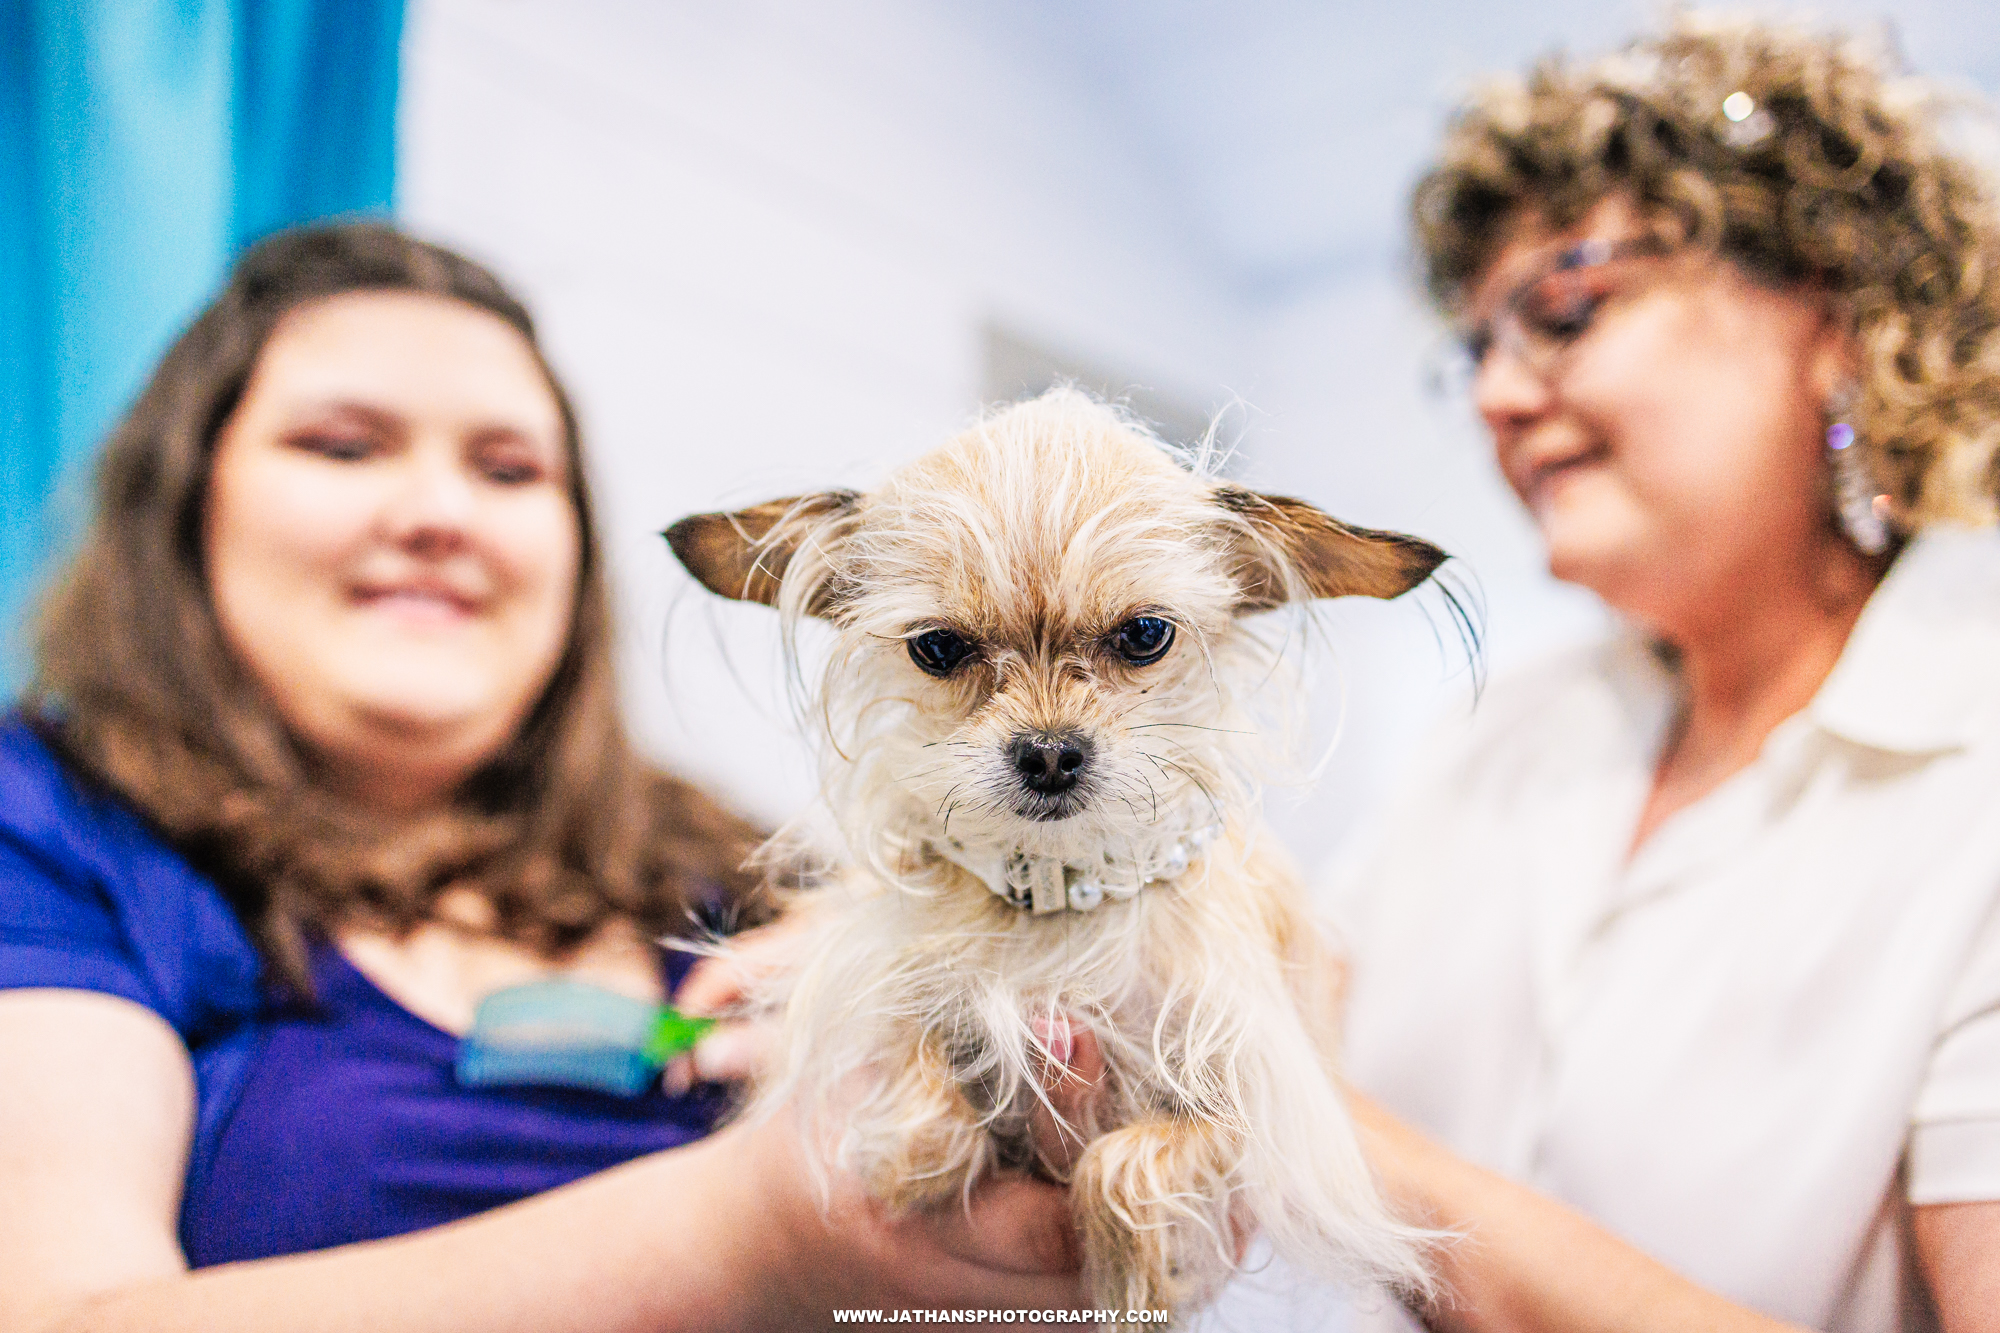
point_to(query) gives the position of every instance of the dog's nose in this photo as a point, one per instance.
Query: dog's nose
(1049, 762)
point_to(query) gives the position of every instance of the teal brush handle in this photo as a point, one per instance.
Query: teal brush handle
(568, 1033)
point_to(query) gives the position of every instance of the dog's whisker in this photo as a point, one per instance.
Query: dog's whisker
(1153, 795)
(1164, 764)
(1193, 726)
(1199, 786)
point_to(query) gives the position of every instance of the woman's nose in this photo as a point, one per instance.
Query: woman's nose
(1506, 390)
(433, 502)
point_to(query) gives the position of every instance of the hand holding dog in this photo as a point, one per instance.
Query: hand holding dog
(1013, 1245)
(725, 986)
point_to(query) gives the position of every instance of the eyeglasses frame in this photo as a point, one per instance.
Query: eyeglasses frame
(1507, 327)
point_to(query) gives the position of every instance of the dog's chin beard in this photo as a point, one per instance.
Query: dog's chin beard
(1051, 809)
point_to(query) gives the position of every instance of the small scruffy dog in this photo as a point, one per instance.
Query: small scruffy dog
(1042, 715)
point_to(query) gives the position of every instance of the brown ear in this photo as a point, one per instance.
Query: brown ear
(1329, 558)
(744, 555)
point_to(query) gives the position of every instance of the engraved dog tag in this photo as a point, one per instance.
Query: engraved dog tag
(1045, 881)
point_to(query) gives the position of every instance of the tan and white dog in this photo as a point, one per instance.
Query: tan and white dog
(1044, 714)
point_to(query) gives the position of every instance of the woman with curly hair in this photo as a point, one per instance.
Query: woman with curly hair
(322, 749)
(1675, 981)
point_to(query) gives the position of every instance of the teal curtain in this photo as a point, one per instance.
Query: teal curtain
(142, 144)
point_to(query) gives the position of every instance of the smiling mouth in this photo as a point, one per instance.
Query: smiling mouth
(425, 601)
(1546, 474)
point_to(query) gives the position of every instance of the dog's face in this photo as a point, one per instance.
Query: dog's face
(1038, 625)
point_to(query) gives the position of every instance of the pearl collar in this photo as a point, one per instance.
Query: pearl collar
(1047, 884)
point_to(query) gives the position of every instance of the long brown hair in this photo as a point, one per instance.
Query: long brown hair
(560, 832)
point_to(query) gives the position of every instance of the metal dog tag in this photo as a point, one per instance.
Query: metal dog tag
(1046, 882)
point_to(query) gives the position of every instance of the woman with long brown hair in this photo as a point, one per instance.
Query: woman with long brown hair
(322, 749)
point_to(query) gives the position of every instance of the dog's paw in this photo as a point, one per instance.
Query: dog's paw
(1152, 1210)
(925, 1154)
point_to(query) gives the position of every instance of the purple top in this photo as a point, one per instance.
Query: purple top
(315, 1126)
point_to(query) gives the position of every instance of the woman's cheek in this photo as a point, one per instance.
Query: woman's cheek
(280, 531)
(537, 545)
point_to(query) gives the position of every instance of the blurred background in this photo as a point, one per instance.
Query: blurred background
(777, 245)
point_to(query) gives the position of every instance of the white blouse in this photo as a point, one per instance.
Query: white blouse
(1748, 1049)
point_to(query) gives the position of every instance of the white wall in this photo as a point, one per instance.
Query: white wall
(1346, 418)
(761, 240)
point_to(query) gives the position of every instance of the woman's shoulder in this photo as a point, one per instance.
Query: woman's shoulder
(44, 803)
(50, 815)
(55, 817)
(1921, 671)
(92, 899)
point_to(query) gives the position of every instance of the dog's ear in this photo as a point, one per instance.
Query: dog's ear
(744, 555)
(1286, 548)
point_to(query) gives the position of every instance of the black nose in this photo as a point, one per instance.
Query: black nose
(1049, 762)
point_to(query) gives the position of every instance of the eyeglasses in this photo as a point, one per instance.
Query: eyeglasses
(1548, 311)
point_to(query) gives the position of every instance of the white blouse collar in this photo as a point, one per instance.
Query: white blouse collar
(1920, 671)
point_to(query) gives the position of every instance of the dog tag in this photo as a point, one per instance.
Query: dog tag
(1045, 882)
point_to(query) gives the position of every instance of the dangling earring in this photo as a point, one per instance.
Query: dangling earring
(1858, 502)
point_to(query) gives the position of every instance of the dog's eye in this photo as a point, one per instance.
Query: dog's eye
(1143, 640)
(939, 651)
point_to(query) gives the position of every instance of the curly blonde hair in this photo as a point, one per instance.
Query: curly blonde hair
(1802, 157)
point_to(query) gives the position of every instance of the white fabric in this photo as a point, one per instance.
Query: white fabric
(1743, 1050)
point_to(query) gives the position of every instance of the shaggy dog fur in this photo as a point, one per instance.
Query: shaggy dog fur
(1035, 542)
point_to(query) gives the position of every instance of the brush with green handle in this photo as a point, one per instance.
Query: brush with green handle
(567, 1033)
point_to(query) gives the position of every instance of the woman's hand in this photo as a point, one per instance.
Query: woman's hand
(1072, 1078)
(1011, 1245)
(727, 987)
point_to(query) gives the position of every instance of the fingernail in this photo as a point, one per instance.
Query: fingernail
(1056, 1038)
(722, 1054)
